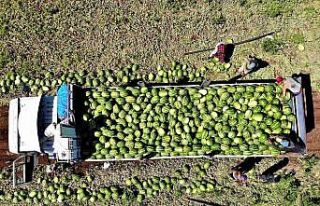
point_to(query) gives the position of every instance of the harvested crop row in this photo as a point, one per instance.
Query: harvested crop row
(39, 84)
(90, 189)
(69, 189)
(191, 121)
(181, 182)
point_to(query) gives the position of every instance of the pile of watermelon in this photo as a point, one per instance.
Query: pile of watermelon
(41, 83)
(67, 189)
(181, 182)
(70, 188)
(38, 84)
(192, 121)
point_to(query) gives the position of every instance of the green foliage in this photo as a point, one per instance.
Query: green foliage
(4, 175)
(176, 6)
(55, 34)
(3, 29)
(272, 46)
(218, 19)
(242, 2)
(310, 201)
(4, 59)
(291, 186)
(311, 11)
(309, 162)
(274, 8)
(3, 25)
(297, 38)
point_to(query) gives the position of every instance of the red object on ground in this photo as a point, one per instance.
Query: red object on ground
(279, 79)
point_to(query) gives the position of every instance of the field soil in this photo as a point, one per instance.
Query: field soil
(313, 137)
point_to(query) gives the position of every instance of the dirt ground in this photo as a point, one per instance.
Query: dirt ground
(313, 140)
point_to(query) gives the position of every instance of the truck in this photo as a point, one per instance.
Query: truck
(29, 117)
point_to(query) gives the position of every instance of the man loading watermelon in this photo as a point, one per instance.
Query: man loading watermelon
(290, 84)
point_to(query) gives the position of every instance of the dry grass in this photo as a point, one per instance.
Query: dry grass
(37, 36)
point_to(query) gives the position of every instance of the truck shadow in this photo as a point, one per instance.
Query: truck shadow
(298, 145)
(274, 168)
(269, 174)
(309, 108)
(247, 164)
(83, 128)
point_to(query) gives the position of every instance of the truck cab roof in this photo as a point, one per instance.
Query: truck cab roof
(28, 116)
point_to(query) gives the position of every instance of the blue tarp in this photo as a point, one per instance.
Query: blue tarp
(63, 101)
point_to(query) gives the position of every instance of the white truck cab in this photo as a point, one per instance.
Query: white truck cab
(30, 116)
(23, 124)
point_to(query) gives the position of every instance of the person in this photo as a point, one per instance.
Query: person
(249, 64)
(279, 141)
(239, 176)
(289, 84)
(219, 52)
(239, 171)
(269, 175)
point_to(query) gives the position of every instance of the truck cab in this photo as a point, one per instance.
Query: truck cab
(28, 119)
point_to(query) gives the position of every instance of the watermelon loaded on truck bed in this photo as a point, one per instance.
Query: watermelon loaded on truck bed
(171, 121)
(158, 121)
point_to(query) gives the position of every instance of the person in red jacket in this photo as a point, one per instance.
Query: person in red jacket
(219, 52)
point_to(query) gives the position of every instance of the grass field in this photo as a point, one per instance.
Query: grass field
(64, 35)
(37, 36)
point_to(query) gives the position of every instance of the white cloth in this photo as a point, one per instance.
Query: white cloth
(252, 65)
(50, 131)
(59, 144)
(247, 66)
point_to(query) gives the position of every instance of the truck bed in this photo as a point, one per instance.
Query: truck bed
(312, 143)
